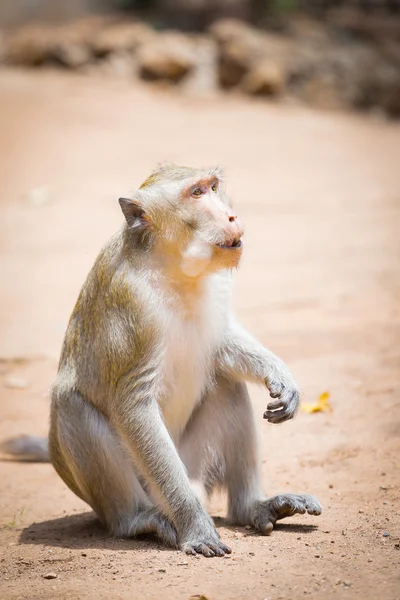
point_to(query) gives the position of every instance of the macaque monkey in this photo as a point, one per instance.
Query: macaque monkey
(150, 411)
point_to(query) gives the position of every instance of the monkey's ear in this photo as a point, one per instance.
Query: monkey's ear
(133, 212)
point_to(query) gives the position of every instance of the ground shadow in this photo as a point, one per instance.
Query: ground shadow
(83, 531)
(285, 527)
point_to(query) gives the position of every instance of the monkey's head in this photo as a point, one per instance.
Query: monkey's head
(187, 212)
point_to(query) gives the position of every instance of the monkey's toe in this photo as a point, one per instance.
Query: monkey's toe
(207, 549)
(286, 505)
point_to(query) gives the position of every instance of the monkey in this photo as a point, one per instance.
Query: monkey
(150, 411)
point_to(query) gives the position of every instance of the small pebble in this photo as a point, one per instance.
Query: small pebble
(17, 383)
(50, 576)
(383, 488)
(252, 553)
(162, 570)
(386, 534)
(83, 554)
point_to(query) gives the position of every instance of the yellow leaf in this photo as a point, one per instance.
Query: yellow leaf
(322, 405)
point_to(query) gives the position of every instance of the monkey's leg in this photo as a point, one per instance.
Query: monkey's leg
(91, 458)
(220, 447)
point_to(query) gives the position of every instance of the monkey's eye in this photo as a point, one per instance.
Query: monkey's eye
(197, 193)
(214, 187)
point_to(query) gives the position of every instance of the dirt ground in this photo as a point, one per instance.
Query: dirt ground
(319, 284)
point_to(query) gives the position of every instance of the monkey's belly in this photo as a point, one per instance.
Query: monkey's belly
(186, 380)
(181, 399)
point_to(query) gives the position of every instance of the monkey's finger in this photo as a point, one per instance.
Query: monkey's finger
(275, 388)
(278, 416)
(275, 405)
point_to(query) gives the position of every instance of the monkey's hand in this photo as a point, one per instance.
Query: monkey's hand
(202, 538)
(281, 386)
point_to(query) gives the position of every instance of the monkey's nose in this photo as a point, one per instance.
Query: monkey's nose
(235, 225)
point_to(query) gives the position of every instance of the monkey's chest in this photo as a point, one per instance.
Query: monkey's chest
(187, 373)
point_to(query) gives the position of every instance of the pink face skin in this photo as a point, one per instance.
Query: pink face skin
(207, 192)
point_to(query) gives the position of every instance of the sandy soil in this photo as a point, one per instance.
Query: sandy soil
(319, 284)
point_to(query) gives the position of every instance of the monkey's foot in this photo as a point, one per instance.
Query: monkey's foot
(267, 512)
(206, 548)
(202, 538)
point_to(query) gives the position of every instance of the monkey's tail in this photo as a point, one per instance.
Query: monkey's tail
(26, 448)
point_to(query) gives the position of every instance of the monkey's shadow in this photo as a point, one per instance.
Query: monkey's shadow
(84, 531)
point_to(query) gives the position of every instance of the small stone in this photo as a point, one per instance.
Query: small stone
(326, 531)
(248, 527)
(330, 486)
(83, 554)
(344, 532)
(17, 383)
(383, 488)
(50, 576)
(317, 555)
(252, 553)
(162, 570)
(369, 560)
(39, 196)
(386, 534)
(168, 56)
(361, 512)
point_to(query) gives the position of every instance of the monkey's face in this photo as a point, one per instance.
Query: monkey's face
(212, 228)
(188, 213)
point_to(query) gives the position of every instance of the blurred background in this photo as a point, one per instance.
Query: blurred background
(299, 102)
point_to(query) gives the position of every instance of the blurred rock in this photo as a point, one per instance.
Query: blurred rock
(28, 46)
(70, 55)
(380, 89)
(238, 47)
(120, 37)
(167, 56)
(266, 78)
(242, 47)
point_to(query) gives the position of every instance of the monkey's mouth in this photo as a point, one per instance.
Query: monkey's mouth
(232, 244)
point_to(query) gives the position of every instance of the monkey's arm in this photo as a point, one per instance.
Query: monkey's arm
(241, 355)
(140, 422)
